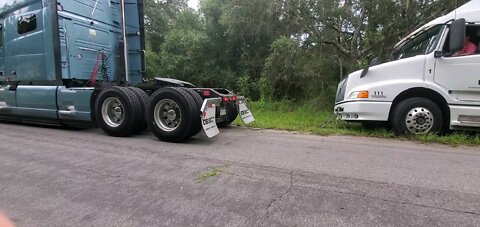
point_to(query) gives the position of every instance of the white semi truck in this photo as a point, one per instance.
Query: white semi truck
(430, 84)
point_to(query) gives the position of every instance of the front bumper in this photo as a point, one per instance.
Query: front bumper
(363, 111)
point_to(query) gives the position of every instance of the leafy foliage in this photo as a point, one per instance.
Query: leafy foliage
(278, 49)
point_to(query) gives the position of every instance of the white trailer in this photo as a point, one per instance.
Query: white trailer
(427, 87)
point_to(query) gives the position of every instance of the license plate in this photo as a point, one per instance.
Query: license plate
(223, 112)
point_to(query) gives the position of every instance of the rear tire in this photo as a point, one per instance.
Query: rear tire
(232, 113)
(117, 111)
(417, 116)
(170, 114)
(197, 124)
(143, 98)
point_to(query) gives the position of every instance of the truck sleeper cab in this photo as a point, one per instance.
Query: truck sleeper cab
(81, 63)
(428, 86)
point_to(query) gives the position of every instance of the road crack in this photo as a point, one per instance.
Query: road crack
(100, 173)
(405, 203)
(281, 196)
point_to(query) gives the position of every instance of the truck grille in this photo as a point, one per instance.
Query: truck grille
(342, 87)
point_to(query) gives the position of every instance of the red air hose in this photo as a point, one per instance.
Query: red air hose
(93, 78)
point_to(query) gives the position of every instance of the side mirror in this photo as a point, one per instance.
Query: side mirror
(374, 62)
(457, 35)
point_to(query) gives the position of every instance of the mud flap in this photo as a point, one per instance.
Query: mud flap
(243, 110)
(209, 123)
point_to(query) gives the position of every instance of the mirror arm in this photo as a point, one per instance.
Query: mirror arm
(440, 53)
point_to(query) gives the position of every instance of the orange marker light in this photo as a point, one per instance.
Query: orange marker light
(363, 95)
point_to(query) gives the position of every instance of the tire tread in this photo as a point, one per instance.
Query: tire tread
(197, 125)
(143, 99)
(398, 116)
(130, 102)
(187, 102)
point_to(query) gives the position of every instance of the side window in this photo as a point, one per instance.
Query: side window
(472, 42)
(27, 23)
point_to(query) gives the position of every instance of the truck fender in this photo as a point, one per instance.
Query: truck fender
(423, 92)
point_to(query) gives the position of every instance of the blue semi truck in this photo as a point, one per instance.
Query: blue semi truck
(81, 63)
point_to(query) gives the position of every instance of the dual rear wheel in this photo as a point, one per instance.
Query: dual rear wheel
(172, 114)
(118, 111)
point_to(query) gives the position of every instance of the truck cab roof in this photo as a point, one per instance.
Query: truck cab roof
(470, 11)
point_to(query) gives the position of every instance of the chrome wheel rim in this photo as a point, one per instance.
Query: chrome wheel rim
(167, 115)
(113, 112)
(419, 120)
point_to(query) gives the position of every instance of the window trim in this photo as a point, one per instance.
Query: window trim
(441, 27)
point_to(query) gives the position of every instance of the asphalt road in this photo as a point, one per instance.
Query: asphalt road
(56, 177)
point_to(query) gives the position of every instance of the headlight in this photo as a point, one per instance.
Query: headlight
(359, 95)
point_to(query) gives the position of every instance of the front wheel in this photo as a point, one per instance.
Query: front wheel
(417, 116)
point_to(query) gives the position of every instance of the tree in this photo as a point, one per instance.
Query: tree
(159, 16)
(182, 51)
(295, 49)
(281, 69)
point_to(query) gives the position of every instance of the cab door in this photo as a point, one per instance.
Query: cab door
(26, 62)
(460, 74)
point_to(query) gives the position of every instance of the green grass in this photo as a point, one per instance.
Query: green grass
(306, 118)
(211, 172)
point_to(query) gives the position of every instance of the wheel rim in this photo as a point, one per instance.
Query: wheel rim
(113, 112)
(167, 115)
(419, 120)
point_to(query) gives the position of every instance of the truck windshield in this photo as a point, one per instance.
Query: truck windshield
(424, 43)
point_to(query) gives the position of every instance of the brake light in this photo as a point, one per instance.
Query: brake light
(225, 99)
(206, 93)
(234, 98)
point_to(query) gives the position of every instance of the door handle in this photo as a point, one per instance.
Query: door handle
(14, 73)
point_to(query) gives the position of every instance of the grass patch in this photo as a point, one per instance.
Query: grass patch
(290, 116)
(211, 172)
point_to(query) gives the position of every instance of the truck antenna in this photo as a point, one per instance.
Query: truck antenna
(93, 11)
